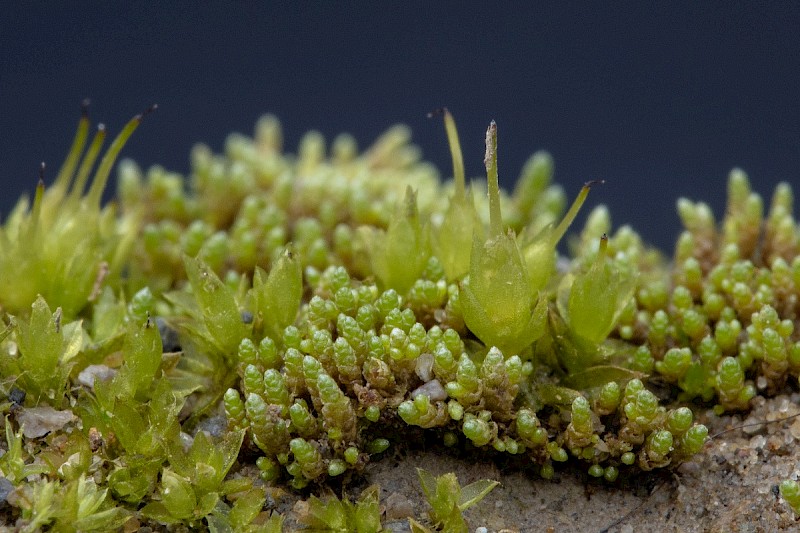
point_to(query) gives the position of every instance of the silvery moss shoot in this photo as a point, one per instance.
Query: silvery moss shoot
(278, 320)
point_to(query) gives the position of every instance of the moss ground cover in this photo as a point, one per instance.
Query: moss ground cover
(278, 320)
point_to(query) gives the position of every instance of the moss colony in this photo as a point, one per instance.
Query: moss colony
(280, 321)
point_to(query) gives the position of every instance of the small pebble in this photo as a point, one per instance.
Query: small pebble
(758, 442)
(170, 342)
(432, 389)
(17, 396)
(5, 488)
(89, 374)
(39, 421)
(398, 507)
(794, 429)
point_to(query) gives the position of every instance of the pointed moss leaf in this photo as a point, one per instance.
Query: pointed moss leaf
(136, 478)
(475, 492)
(444, 494)
(597, 376)
(158, 511)
(539, 253)
(228, 449)
(416, 527)
(206, 503)
(596, 298)
(246, 508)
(327, 515)
(399, 257)
(12, 463)
(428, 482)
(7, 330)
(177, 495)
(367, 511)
(208, 462)
(109, 520)
(142, 350)
(128, 424)
(592, 302)
(452, 241)
(107, 315)
(218, 306)
(549, 394)
(280, 294)
(41, 345)
(574, 353)
(74, 340)
(497, 301)
(536, 175)
(540, 258)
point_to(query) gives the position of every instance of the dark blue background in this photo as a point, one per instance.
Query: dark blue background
(660, 101)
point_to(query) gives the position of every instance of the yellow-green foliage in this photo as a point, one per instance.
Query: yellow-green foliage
(448, 500)
(65, 243)
(294, 317)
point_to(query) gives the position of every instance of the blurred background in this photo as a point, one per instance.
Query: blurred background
(659, 100)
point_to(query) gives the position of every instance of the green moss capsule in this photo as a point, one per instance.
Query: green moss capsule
(253, 380)
(479, 431)
(303, 422)
(351, 455)
(422, 412)
(642, 360)
(643, 409)
(234, 409)
(338, 415)
(657, 447)
(734, 393)
(679, 421)
(610, 473)
(270, 431)
(467, 387)
(609, 398)
(693, 440)
(455, 410)
(376, 446)
(372, 413)
(308, 458)
(628, 458)
(275, 390)
(581, 422)
(268, 353)
(248, 353)
(556, 452)
(675, 364)
(336, 467)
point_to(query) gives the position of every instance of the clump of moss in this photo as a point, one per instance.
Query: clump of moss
(280, 321)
